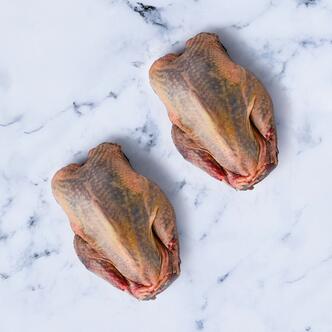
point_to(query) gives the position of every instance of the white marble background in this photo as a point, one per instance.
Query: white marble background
(74, 73)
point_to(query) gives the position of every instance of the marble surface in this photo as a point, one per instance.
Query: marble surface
(73, 74)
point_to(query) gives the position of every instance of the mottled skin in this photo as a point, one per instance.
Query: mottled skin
(124, 225)
(222, 116)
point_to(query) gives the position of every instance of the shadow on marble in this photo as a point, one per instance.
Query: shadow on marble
(241, 53)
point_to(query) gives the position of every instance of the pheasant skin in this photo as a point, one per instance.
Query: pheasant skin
(124, 226)
(222, 115)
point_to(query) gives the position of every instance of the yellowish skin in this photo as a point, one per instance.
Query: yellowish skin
(222, 115)
(124, 226)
